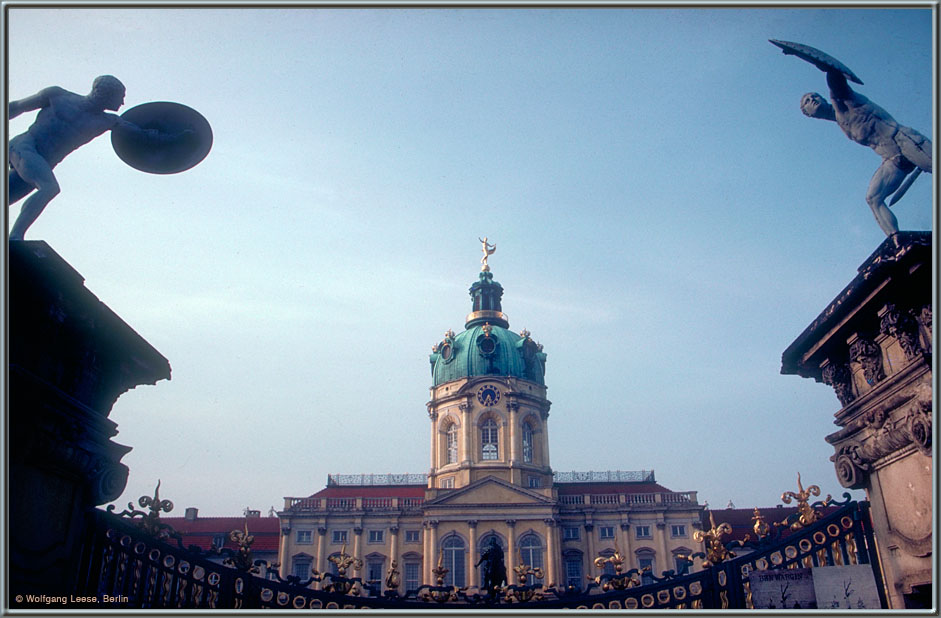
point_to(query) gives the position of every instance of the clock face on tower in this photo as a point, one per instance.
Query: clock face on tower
(488, 395)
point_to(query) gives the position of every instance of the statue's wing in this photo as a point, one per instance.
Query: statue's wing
(167, 157)
(822, 60)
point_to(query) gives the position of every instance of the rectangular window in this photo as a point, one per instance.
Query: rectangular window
(678, 530)
(679, 563)
(570, 533)
(218, 540)
(304, 537)
(447, 483)
(573, 573)
(413, 536)
(607, 532)
(642, 532)
(374, 571)
(488, 437)
(412, 575)
(376, 536)
(302, 568)
(646, 575)
(534, 481)
(339, 537)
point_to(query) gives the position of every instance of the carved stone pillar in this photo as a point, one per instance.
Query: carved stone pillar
(431, 558)
(467, 431)
(70, 358)
(394, 549)
(513, 408)
(321, 551)
(433, 415)
(552, 551)
(592, 552)
(878, 330)
(472, 550)
(627, 548)
(510, 545)
(358, 543)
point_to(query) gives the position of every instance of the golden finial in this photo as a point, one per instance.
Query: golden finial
(761, 527)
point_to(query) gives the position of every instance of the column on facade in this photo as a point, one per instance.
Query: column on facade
(284, 567)
(431, 557)
(514, 417)
(321, 558)
(472, 550)
(511, 556)
(394, 551)
(434, 438)
(466, 445)
(544, 439)
(425, 552)
(590, 537)
(551, 551)
(357, 543)
(666, 561)
(626, 547)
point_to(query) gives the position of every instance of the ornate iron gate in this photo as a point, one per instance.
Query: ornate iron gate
(138, 562)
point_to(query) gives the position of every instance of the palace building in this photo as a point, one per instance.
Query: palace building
(490, 478)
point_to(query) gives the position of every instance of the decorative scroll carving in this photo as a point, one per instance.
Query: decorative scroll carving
(904, 328)
(869, 355)
(851, 470)
(854, 460)
(838, 376)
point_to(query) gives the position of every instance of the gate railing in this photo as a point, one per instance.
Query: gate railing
(138, 562)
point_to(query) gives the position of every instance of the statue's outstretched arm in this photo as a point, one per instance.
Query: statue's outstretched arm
(36, 101)
(839, 88)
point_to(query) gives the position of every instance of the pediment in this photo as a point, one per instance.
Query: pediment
(490, 490)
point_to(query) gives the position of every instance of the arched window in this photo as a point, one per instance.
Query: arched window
(452, 443)
(453, 559)
(531, 550)
(527, 443)
(488, 440)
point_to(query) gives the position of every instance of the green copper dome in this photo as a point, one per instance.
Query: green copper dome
(487, 347)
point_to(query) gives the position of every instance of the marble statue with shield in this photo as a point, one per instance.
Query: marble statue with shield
(158, 137)
(905, 152)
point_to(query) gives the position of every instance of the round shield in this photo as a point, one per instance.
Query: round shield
(166, 137)
(822, 60)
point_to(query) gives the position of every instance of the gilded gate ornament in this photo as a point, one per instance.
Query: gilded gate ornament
(522, 592)
(716, 552)
(620, 580)
(392, 576)
(150, 522)
(806, 514)
(761, 527)
(244, 559)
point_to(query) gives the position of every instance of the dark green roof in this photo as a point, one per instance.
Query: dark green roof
(487, 346)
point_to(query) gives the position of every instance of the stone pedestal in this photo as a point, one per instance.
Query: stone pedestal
(70, 358)
(873, 346)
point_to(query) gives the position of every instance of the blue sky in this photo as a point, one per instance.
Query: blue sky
(667, 222)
